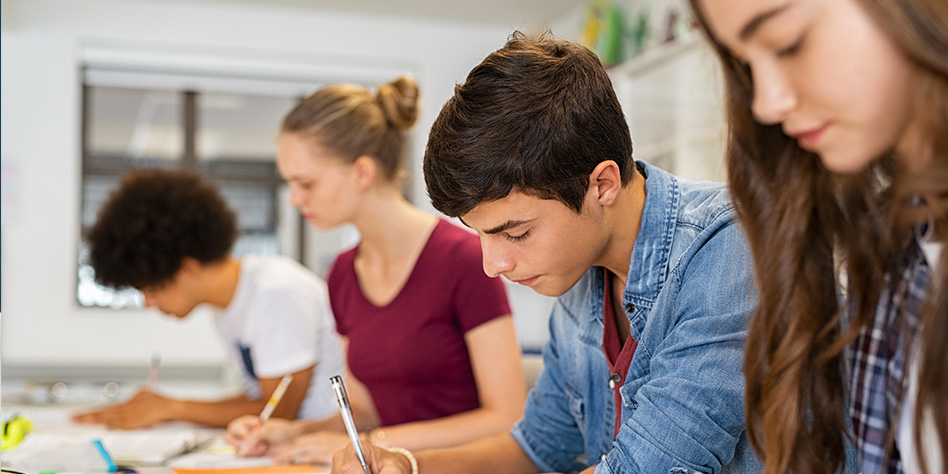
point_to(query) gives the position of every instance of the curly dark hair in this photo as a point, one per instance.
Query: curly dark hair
(536, 116)
(152, 221)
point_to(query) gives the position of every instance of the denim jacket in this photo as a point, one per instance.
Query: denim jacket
(688, 297)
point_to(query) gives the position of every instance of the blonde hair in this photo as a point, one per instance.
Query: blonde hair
(350, 121)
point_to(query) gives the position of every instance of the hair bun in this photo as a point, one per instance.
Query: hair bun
(399, 101)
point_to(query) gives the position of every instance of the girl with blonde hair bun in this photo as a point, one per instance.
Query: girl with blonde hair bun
(432, 355)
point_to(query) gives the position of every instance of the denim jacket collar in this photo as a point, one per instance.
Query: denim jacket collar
(648, 266)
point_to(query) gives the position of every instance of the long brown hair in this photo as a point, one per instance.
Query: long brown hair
(800, 219)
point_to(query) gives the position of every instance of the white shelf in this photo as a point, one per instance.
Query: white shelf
(672, 99)
(654, 57)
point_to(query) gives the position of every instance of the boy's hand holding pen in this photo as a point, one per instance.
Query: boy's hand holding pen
(346, 411)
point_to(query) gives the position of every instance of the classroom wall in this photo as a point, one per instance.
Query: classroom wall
(671, 90)
(42, 44)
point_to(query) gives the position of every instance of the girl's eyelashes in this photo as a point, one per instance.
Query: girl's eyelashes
(792, 49)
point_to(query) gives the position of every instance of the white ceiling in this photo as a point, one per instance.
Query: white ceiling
(505, 12)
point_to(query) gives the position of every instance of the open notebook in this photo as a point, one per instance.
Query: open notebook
(288, 469)
(49, 454)
(137, 448)
(150, 447)
(218, 457)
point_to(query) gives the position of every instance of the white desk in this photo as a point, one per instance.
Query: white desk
(52, 428)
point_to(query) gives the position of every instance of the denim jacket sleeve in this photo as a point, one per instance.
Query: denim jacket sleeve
(684, 411)
(550, 432)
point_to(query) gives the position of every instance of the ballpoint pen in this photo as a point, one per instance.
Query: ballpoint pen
(340, 388)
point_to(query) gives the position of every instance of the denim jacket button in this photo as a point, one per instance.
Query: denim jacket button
(602, 458)
(629, 307)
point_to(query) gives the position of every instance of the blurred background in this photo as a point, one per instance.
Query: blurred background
(94, 88)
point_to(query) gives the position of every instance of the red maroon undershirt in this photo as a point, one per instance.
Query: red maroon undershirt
(618, 354)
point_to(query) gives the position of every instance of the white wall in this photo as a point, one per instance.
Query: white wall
(42, 41)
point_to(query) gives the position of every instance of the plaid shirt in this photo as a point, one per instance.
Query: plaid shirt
(877, 360)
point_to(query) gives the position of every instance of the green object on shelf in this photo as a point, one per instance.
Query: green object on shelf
(603, 31)
(640, 34)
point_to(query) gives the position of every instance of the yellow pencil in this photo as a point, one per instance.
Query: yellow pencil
(275, 398)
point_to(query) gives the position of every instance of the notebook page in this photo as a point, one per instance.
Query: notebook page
(287, 469)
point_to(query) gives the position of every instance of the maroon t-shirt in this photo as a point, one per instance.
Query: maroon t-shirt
(411, 354)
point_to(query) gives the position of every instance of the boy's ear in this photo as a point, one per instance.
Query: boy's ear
(607, 182)
(190, 266)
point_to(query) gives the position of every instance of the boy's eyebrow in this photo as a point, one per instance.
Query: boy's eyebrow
(506, 225)
(750, 29)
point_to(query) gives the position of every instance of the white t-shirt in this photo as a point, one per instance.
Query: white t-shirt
(905, 437)
(280, 322)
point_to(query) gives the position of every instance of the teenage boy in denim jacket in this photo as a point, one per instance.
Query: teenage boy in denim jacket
(533, 153)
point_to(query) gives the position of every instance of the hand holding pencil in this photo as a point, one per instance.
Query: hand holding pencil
(275, 398)
(244, 431)
(249, 440)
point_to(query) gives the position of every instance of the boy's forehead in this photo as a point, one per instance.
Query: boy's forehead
(514, 209)
(489, 214)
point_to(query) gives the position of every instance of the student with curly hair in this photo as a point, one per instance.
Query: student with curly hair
(838, 163)
(432, 353)
(169, 235)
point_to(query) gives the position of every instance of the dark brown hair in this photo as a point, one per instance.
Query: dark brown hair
(537, 116)
(349, 121)
(152, 221)
(799, 217)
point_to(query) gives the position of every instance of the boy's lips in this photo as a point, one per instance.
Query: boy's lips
(525, 281)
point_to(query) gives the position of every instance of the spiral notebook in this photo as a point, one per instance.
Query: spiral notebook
(288, 469)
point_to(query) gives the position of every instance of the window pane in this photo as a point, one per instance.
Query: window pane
(239, 126)
(256, 208)
(129, 128)
(253, 203)
(134, 125)
(95, 190)
(90, 293)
